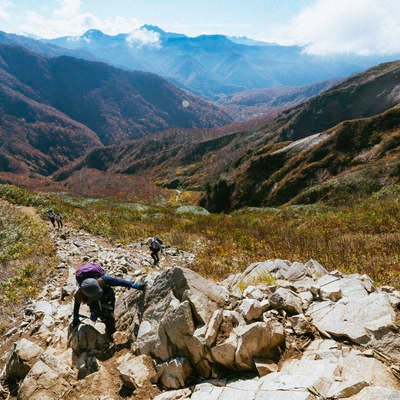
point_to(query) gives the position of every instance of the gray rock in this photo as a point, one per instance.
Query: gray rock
(287, 300)
(314, 269)
(358, 319)
(252, 309)
(306, 298)
(192, 210)
(213, 327)
(257, 340)
(42, 382)
(20, 360)
(86, 338)
(265, 366)
(165, 323)
(290, 272)
(376, 393)
(259, 292)
(333, 287)
(340, 390)
(256, 273)
(174, 395)
(224, 353)
(300, 324)
(207, 391)
(137, 371)
(174, 373)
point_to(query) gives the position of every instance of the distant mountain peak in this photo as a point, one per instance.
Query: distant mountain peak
(163, 34)
(153, 28)
(94, 34)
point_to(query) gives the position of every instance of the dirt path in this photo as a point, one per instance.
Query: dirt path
(74, 248)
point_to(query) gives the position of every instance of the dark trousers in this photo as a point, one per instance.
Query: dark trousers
(154, 256)
(104, 309)
(109, 322)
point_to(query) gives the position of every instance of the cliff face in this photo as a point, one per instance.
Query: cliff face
(280, 328)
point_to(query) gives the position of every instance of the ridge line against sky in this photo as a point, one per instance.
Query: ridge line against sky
(323, 26)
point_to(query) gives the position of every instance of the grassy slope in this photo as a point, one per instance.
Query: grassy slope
(27, 257)
(361, 238)
(354, 158)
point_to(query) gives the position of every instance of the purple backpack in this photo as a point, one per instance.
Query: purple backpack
(89, 270)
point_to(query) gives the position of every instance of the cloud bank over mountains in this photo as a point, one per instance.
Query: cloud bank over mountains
(325, 27)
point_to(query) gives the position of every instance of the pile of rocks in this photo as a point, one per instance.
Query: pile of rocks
(279, 330)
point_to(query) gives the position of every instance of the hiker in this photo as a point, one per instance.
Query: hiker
(95, 290)
(59, 220)
(155, 246)
(50, 214)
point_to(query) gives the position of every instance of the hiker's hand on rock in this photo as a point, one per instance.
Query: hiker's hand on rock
(139, 286)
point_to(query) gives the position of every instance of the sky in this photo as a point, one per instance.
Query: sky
(321, 26)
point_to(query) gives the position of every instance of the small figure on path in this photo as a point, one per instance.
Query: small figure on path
(52, 217)
(95, 290)
(155, 246)
(59, 221)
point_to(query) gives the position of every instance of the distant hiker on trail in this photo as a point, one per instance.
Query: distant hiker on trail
(155, 246)
(50, 214)
(59, 220)
(95, 290)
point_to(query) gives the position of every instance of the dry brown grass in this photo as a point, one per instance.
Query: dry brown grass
(363, 237)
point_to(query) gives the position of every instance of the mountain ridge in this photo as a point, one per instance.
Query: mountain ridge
(252, 160)
(209, 58)
(104, 104)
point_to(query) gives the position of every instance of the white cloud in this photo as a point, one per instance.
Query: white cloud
(68, 9)
(141, 37)
(5, 6)
(346, 26)
(67, 19)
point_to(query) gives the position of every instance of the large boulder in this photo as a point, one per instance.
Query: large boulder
(174, 373)
(86, 338)
(252, 309)
(49, 378)
(287, 300)
(335, 286)
(20, 360)
(359, 319)
(177, 303)
(136, 372)
(224, 353)
(259, 272)
(257, 340)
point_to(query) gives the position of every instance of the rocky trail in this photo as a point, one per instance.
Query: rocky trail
(308, 334)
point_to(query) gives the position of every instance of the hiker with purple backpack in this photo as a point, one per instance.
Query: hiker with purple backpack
(95, 290)
(155, 246)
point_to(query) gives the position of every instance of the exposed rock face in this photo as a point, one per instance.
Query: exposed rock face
(49, 378)
(287, 300)
(20, 360)
(358, 318)
(173, 374)
(137, 371)
(185, 327)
